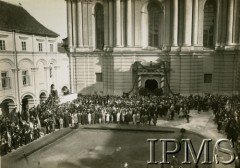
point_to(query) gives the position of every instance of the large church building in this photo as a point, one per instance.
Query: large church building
(181, 46)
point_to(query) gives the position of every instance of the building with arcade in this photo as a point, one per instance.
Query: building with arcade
(181, 46)
(29, 60)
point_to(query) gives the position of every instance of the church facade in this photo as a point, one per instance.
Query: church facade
(181, 46)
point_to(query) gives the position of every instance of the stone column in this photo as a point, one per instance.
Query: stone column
(175, 23)
(195, 23)
(110, 23)
(187, 32)
(74, 21)
(236, 20)
(69, 23)
(230, 22)
(80, 24)
(218, 23)
(106, 25)
(129, 23)
(118, 23)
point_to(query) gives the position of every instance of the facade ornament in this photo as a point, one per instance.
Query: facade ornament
(34, 69)
(15, 70)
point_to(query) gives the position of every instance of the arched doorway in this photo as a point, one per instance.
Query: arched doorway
(151, 84)
(27, 103)
(43, 97)
(6, 107)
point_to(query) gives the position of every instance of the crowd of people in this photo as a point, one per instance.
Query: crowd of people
(20, 129)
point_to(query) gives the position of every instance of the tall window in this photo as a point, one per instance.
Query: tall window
(24, 46)
(208, 25)
(5, 80)
(154, 16)
(40, 47)
(2, 45)
(25, 78)
(51, 47)
(99, 16)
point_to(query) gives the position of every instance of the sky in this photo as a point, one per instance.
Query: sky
(50, 13)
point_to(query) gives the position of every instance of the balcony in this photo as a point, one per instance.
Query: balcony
(6, 83)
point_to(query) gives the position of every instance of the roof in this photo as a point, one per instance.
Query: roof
(16, 18)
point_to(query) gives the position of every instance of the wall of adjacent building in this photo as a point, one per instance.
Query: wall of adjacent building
(37, 64)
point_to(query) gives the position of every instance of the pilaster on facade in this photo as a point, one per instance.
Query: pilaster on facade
(187, 23)
(111, 27)
(175, 23)
(79, 24)
(230, 22)
(195, 23)
(129, 24)
(118, 23)
(69, 23)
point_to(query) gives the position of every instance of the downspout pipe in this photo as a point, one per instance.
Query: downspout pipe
(17, 70)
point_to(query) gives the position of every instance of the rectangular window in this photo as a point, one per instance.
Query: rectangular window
(207, 78)
(51, 47)
(40, 47)
(25, 78)
(2, 45)
(24, 46)
(99, 77)
(5, 80)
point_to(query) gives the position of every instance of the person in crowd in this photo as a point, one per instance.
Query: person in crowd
(89, 118)
(17, 130)
(155, 119)
(61, 122)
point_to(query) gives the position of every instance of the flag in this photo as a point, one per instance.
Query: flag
(9, 139)
(39, 123)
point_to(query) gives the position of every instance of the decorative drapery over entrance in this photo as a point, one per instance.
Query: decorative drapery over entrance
(152, 76)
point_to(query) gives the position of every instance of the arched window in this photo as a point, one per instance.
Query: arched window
(99, 16)
(154, 16)
(208, 25)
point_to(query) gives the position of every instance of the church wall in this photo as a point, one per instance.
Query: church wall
(87, 66)
(225, 68)
(36, 63)
(186, 73)
(188, 63)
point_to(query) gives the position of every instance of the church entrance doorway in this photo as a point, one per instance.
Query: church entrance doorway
(151, 84)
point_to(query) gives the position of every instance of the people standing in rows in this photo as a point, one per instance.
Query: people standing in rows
(91, 109)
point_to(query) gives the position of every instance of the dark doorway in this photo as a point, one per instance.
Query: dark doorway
(151, 84)
(24, 104)
(5, 107)
(27, 101)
